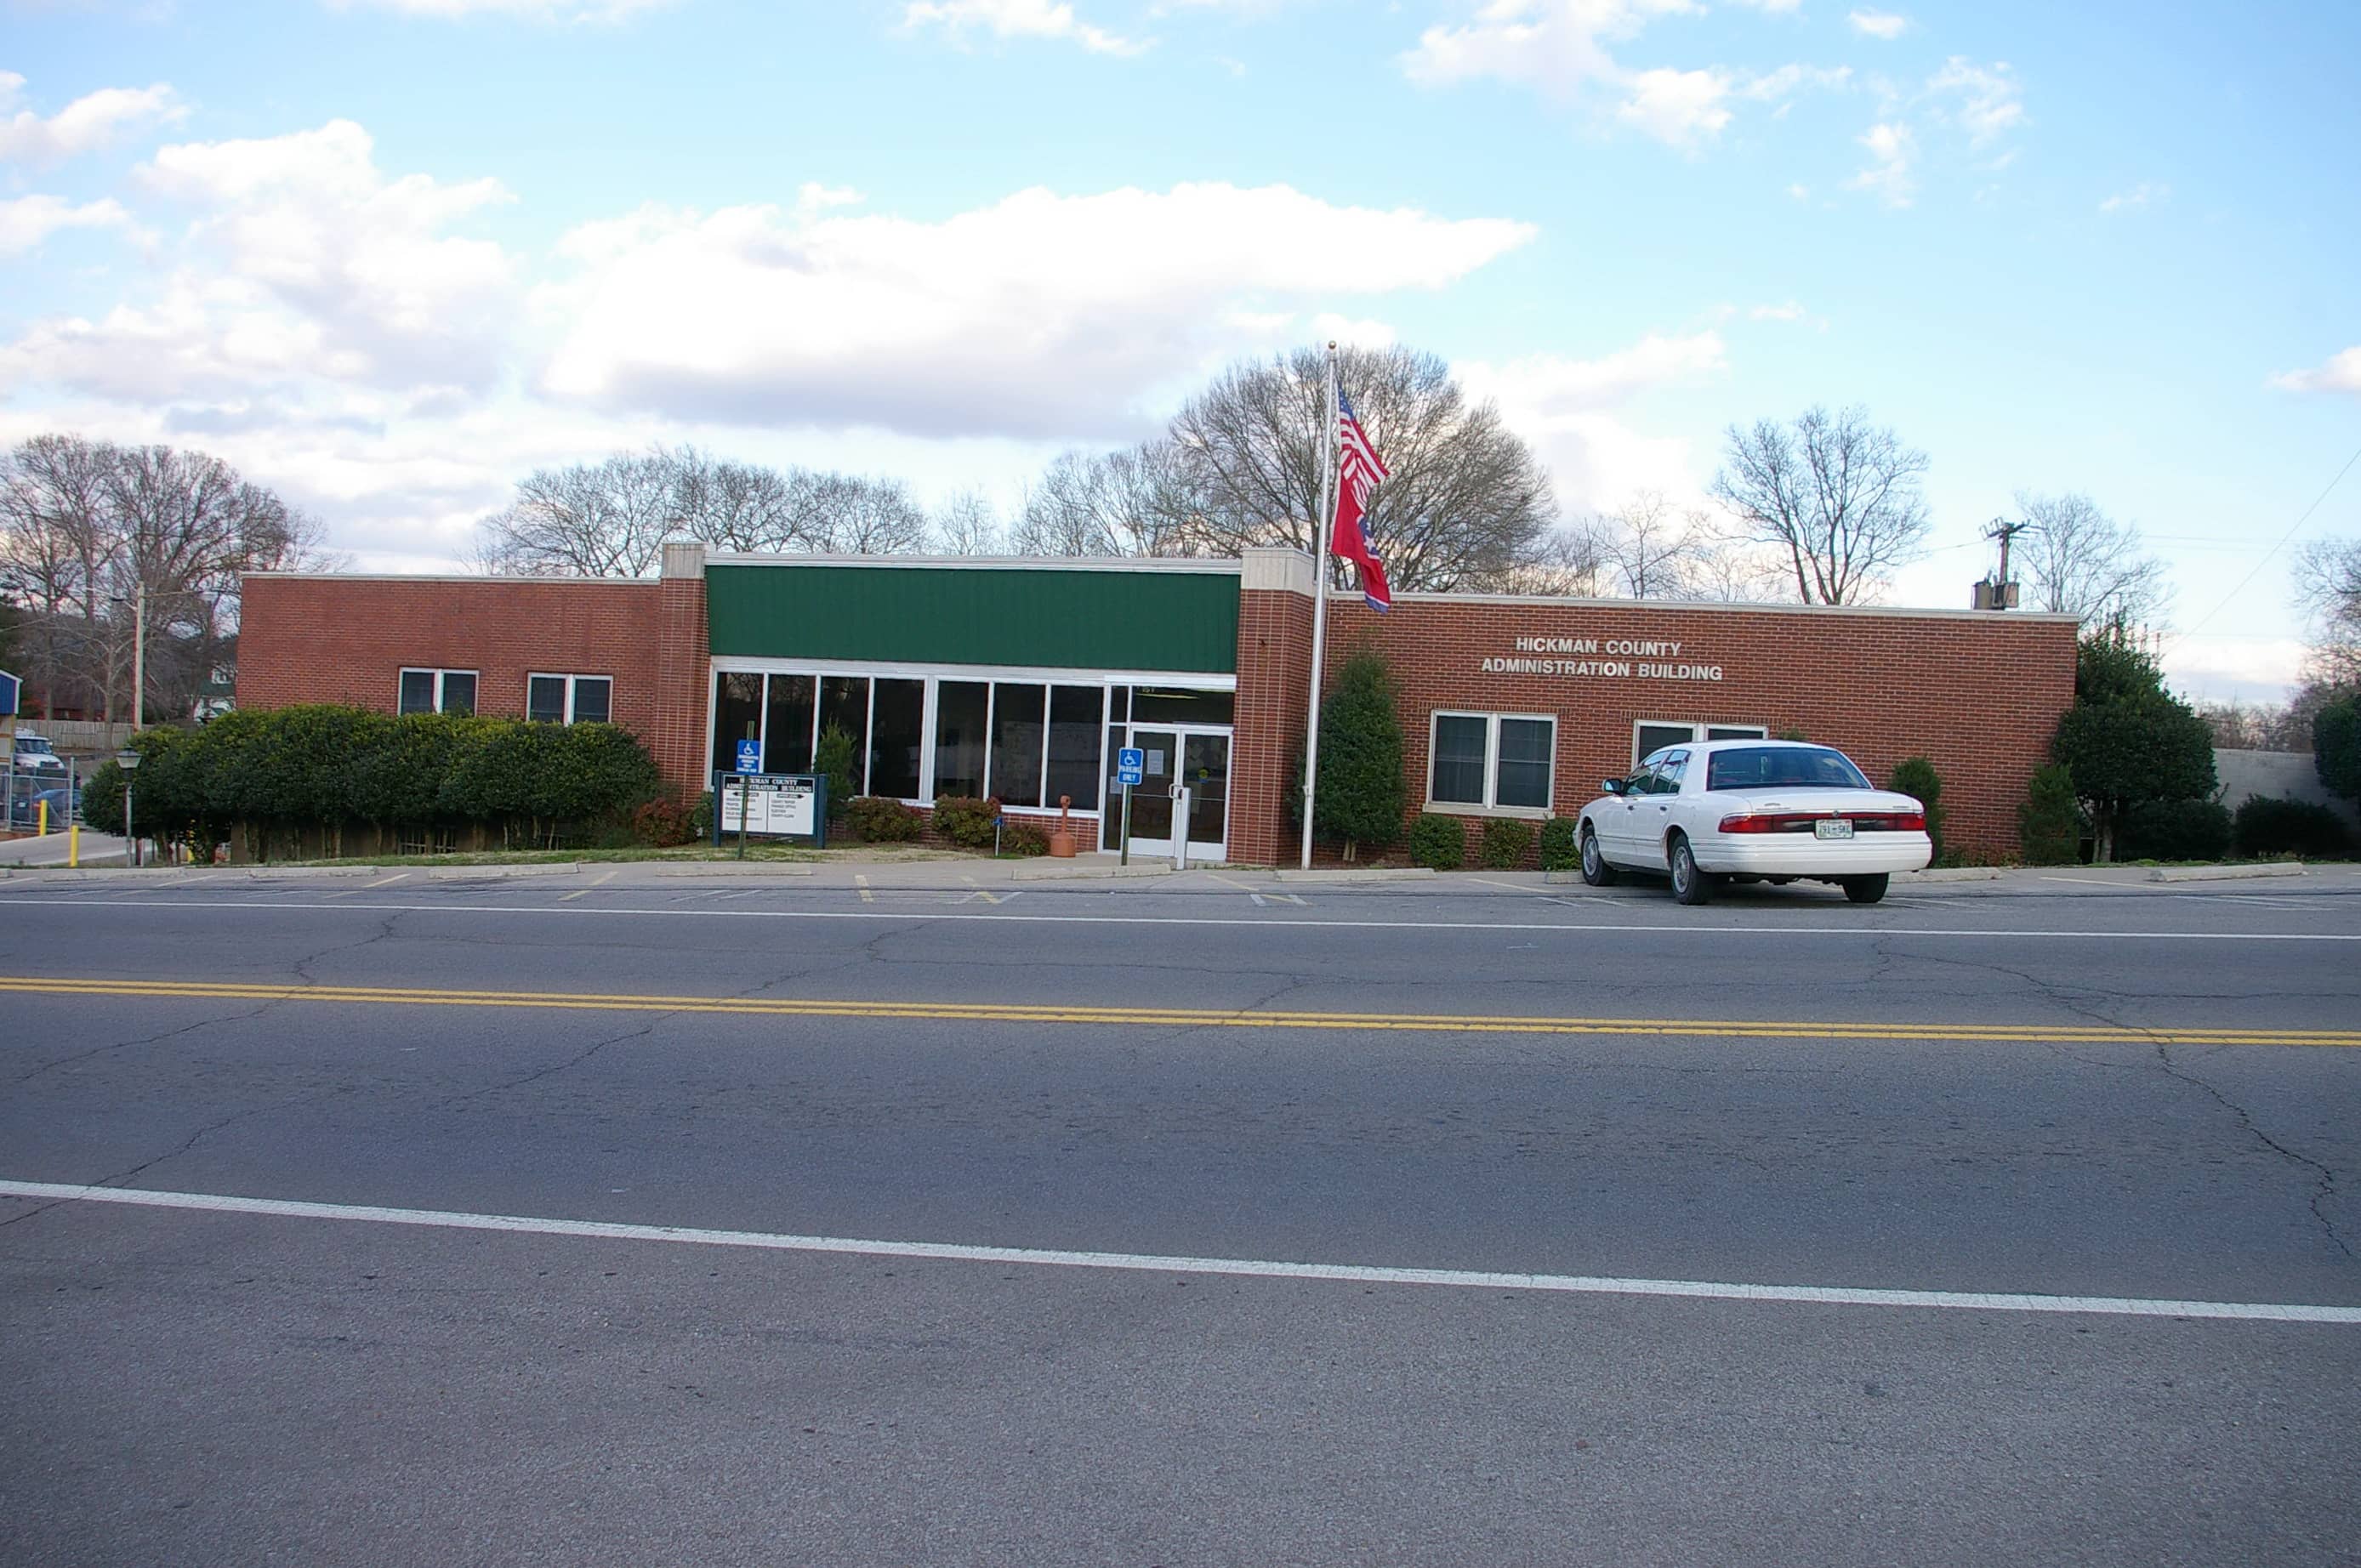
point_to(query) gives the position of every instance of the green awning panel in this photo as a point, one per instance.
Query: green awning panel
(1051, 618)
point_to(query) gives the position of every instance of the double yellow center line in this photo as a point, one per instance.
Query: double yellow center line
(1173, 1017)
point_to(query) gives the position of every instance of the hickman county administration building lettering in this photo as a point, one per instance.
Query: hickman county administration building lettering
(1653, 661)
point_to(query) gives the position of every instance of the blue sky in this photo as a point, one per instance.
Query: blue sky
(385, 255)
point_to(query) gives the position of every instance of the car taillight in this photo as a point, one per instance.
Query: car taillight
(1910, 822)
(1769, 822)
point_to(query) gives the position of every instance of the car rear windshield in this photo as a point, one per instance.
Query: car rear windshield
(1782, 767)
(33, 743)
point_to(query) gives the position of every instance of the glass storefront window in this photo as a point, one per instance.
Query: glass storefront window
(1073, 747)
(788, 730)
(896, 733)
(1019, 716)
(1168, 704)
(737, 713)
(844, 705)
(961, 709)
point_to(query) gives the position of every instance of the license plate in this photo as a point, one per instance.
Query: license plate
(1835, 828)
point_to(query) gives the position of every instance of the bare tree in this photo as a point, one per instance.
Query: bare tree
(968, 524)
(1136, 502)
(2082, 563)
(93, 533)
(2328, 591)
(1566, 563)
(601, 520)
(1836, 495)
(1467, 503)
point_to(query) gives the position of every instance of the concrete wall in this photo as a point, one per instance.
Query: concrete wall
(2276, 775)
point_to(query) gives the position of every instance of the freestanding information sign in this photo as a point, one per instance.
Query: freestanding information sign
(772, 806)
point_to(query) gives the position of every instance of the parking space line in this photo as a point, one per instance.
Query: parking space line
(1512, 887)
(861, 883)
(979, 892)
(603, 881)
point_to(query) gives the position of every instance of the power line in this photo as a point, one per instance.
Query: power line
(2274, 550)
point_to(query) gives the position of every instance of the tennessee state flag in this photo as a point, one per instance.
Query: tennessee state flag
(1359, 470)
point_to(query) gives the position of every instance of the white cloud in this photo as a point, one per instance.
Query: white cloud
(2341, 374)
(1892, 149)
(1017, 19)
(1790, 312)
(1883, 24)
(1774, 7)
(1990, 98)
(1574, 413)
(302, 264)
(2139, 196)
(531, 10)
(25, 222)
(1039, 316)
(1678, 107)
(1800, 191)
(84, 126)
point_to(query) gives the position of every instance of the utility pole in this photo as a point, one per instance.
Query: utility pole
(2001, 594)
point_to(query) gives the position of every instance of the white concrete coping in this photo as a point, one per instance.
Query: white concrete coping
(1357, 873)
(2225, 873)
(1951, 873)
(727, 868)
(478, 874)
(1068, 872)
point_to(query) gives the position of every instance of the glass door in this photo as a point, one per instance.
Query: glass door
(1170, 755)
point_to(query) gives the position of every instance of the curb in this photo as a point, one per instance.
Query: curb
(1952, 873)
(497, 873)
(1353, 873)
(1087, 873)
(2225, 873)
(727, 868)
(1560, 879)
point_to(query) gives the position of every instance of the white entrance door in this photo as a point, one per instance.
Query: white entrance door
(1198, 758)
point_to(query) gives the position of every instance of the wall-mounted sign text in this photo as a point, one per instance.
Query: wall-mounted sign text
(1611, 658)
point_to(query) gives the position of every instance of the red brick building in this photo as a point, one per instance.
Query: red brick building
(1023, 679)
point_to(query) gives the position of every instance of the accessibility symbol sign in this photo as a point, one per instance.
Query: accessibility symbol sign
(1130, 762)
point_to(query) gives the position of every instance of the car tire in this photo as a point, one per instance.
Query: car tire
(1595, 869)
(1865, 889)
(1690, 885)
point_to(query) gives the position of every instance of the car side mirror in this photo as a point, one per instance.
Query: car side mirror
(1612, 787)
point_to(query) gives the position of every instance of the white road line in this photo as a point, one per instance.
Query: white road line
(979, 892)
(1255, 1268)
(1564, 928)
(1512, 887)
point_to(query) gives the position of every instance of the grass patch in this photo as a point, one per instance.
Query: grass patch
(780, 854)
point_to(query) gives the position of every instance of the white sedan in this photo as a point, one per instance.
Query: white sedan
(1752, 811)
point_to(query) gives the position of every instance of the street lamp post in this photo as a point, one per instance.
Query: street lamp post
(129, 760)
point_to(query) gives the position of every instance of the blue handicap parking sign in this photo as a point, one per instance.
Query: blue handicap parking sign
(1130, 762)
(750, 756)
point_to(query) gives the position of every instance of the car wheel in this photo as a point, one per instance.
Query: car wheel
(1865, 889)
(1690, 885)
(1595, 869)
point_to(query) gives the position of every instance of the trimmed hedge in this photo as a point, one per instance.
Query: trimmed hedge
(2050, 822)
(1438, 842)
(1505, 843)
(2175, 830)
(2264, 826)
(324, 769)
(965, 820)
(1916, 776)
(1561, 850)
(878, 820)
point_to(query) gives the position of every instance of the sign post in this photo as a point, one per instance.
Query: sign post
(1130, 762)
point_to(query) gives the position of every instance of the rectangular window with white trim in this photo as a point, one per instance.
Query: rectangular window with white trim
(1650, 736)
(569, 699)
(1492, 761)
(436, 691)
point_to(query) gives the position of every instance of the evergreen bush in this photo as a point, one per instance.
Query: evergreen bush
(2050, 822)
(839, 762)
(877, 820)
(1561, 850)
(1361, 796)
(2264, 826)
(965, 820)
(1916, 776)
(2336, 745)
(1505, 843)
(1438, 842)
(2175, 830)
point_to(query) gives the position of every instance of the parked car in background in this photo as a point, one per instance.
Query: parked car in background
(36, 755)
(1752, 811)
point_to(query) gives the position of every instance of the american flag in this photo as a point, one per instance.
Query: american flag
(1359, 470)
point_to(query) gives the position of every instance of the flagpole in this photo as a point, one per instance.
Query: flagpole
(1320, 547)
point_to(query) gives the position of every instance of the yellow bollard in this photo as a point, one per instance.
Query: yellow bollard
(42, 827)
(73, 844)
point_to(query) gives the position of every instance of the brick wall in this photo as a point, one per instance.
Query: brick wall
(347, 640)
(1979, 696)
(1274, 694)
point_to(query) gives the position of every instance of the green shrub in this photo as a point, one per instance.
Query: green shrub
(2050, 822)
(1505, 844)
(2264, 826)
(965, 820)
(2336, 745)
(1561, 850)
(1916, 776)
(701, 819)
(877, 820)
(1438, 842)
(839, 762)
(663, 823)
(2175, 830)
(1361, 796)
(1023, 838)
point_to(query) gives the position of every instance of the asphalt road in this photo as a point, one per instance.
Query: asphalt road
(1213, 1220)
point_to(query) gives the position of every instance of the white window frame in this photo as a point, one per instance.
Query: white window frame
(567, 715)
(477, 676)
(1697, 734)
(1491, 806)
